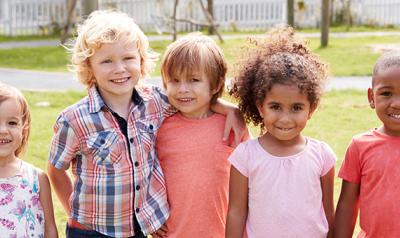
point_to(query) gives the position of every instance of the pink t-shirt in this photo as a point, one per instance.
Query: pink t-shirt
(285, 196)
(373, 160)
(195, 163)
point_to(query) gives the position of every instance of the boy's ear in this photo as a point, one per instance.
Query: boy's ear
(219, 86)
(371, 98)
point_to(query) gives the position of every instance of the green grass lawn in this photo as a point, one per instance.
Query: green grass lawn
(336, 121)
(346, 56)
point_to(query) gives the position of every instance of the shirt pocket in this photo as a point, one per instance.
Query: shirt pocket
(104, 148)
(148, 128)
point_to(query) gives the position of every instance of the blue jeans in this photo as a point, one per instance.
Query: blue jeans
(72, 232)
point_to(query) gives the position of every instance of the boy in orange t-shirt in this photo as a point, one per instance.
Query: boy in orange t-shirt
(191, 152)
(371, 168)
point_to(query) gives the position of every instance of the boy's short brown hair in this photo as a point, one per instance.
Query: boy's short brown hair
(195, 52)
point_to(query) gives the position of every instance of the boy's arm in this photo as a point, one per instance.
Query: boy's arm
(50, 227)
(346, 210)
(234, 120)
(237, 211)
(62, 184)
(327, 186)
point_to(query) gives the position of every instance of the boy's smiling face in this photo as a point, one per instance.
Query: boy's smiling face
(116, 68)
(191, 94)
(384, 97)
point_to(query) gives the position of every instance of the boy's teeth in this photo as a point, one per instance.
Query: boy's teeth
(4, 141)
(397, 116)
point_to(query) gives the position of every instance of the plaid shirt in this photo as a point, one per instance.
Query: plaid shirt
(111, 186)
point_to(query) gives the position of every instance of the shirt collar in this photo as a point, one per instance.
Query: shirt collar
(96, 102)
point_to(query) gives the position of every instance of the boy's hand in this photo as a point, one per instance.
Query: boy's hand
(160, 233)
(235, 122)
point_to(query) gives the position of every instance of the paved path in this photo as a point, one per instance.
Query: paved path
(50, 81)
(41, 43)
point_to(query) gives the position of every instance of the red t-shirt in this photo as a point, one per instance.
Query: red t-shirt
(373, 160)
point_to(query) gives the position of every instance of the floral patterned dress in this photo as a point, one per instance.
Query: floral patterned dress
(21, 214)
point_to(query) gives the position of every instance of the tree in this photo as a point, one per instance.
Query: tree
(70, 18)
(89, 6)
(210, 10)
(325, 23)
(290, 12)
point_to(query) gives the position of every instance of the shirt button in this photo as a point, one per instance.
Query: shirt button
(102, 141)
(151, 127)
(137, 210)
(136, 164)
(137, 187)
(131, 140)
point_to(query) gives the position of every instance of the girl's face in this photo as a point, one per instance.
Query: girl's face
(11, 128)
(285, 112)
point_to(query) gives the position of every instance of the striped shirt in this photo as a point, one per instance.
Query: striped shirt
(113, 184)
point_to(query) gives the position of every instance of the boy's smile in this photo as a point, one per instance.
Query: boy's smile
(116, 67)
(384, 97)
(191, 95)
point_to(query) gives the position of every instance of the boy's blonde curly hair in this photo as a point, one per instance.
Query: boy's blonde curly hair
(102, 27)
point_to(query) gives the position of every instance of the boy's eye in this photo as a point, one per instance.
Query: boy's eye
(13, 123)
(107, 61)
(174, 80)
(386, 94)
(195, 80)
(130, 58)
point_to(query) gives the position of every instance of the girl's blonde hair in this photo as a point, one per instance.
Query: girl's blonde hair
(9, 92)
(195, 51)
(103, 27)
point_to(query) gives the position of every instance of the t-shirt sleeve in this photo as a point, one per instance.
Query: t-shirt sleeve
(167, 109)
(329, 159)
(64, 144)
(239, 159)
(351, 165)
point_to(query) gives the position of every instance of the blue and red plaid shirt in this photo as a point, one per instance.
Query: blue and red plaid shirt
(113, 184)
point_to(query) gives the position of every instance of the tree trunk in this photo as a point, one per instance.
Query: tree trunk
(325, 23)
(174, 37)
(290, 13)
(211, 21)
(70, 15)
(210, 10)
(90, 6)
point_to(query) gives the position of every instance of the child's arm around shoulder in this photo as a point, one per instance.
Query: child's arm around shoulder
(50, 228)
(234, 120)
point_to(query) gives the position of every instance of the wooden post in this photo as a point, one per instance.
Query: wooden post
(325, 23)
(290, 13)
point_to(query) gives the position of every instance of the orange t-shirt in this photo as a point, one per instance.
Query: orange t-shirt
(373, 161)
(194, 160)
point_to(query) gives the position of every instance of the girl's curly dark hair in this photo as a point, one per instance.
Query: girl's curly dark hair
(280, 59)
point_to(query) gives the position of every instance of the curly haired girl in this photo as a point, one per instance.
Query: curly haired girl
(281, 183)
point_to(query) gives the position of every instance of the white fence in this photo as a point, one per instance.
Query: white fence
(22, 17)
